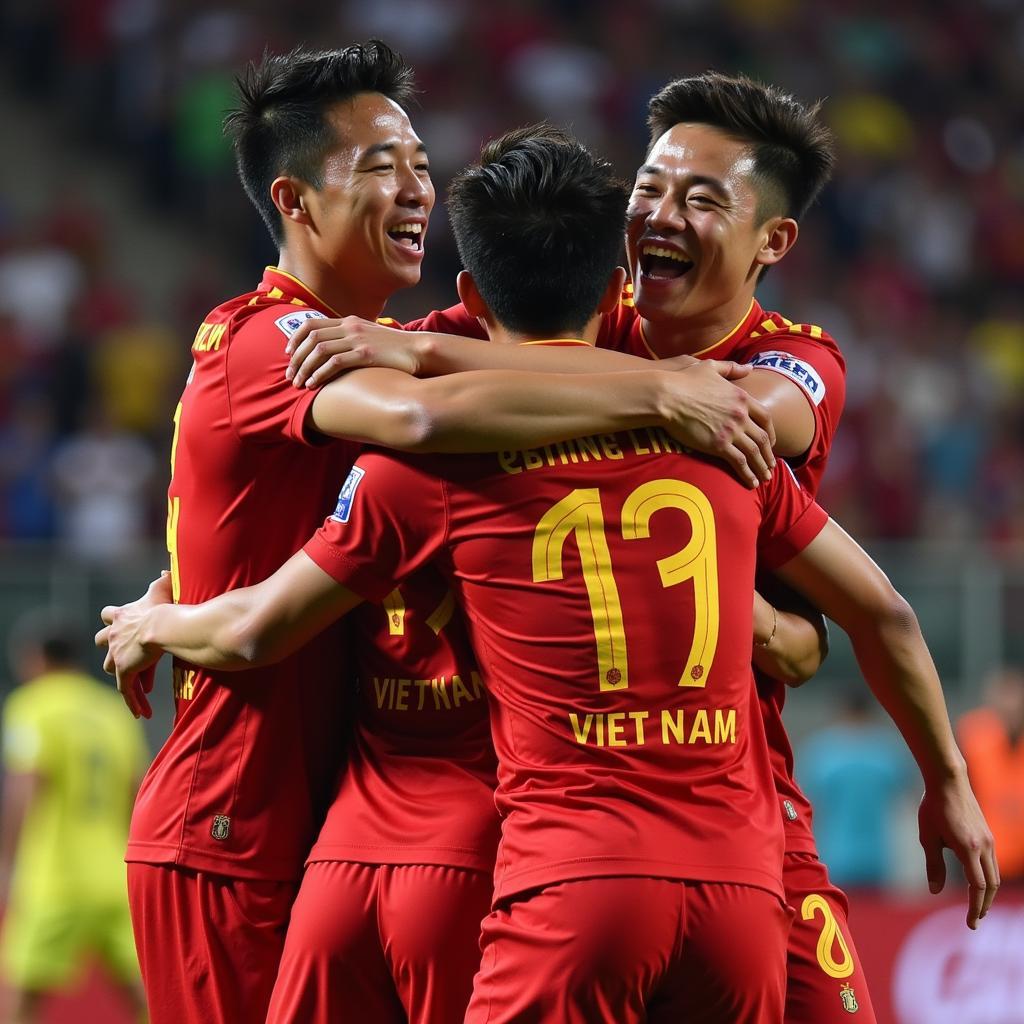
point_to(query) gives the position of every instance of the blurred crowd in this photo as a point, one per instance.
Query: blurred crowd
(912, 259)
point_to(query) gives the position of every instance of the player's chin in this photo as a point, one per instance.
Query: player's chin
(660, 297)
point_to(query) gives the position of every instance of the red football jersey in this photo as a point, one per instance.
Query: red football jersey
(243, 780)
(616, 650)
(810, 358)
(419, 784)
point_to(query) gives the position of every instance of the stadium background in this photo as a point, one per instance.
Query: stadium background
(121, 224)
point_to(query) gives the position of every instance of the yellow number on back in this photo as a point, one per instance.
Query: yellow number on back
(579, 513)
(698, 561)
(830, 934)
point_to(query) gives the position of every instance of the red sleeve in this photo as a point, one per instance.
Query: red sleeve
(790, 519)
(265, 406)
(391, 519)
(817, 367)
(453, 320)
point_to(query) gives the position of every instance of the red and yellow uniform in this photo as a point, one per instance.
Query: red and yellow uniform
(823, 959)
(388, 914)
(231, 804)
(616, 653)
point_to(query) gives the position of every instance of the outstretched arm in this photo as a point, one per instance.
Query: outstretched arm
(836, 575)
(241, 629)
(490, 410)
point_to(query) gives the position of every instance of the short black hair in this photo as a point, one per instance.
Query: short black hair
(539, 224)
(792, 147)
(279, 125)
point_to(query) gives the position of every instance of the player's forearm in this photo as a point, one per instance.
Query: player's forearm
(895, 661)
(440, 354)
(217, 634)
(788, 645)
(490, 411)
(251, 626)
(834, 574)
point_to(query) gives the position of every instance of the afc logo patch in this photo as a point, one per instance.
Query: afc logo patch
(787, 806)
(796, 370)
(221, 828)
(291, 322)
(348, 492)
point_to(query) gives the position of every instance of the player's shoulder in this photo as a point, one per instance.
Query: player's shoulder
(260, 318)
(770, 329)
(275, 320)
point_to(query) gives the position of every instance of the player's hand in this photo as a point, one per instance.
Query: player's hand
(709, 414)
(129, 659)
(322, 349)
(950, 817)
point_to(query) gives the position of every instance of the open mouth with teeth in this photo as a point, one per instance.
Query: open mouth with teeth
(663, 264)
(408, 235)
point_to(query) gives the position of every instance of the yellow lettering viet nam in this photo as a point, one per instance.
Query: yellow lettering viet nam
(442, 693)
(671, 728)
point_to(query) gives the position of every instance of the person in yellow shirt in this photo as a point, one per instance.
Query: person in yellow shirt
(73, 759)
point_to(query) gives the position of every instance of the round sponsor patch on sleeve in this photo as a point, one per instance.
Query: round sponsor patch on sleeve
(291, 322)
(796, 370)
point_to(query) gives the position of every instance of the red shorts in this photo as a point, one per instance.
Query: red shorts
(383, 943)
(208, 945)
(625, 950)
(825, 981)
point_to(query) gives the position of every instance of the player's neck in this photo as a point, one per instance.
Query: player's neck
(324, 283)
(505, 336)
(690, 335)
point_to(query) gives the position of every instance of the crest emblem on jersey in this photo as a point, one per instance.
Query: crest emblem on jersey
(796, 370)
(848, 998)
(291, 322)
(221, 828)
(348, 492)
(787, 806)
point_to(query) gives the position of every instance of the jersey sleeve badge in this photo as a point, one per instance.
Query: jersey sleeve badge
(291, 322)
(796, 370)
(343, 509)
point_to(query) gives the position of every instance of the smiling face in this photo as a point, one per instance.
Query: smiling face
(369, 217)
(697, 234)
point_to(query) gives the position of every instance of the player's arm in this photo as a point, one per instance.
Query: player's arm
(241, 629)
(322, 349)
(790, 411)
(489, 410)
(790, 638)
(837, 576)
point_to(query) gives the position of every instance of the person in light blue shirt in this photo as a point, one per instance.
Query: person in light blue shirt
(855, 772)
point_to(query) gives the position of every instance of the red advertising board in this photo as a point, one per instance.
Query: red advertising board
(925, 966)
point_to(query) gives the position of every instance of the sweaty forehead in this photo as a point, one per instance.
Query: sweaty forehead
(371, 119)
(700, 149)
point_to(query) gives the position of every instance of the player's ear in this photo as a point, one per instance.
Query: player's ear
(288, 195)
(612, 294)
(779, 237)
(470, 296)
